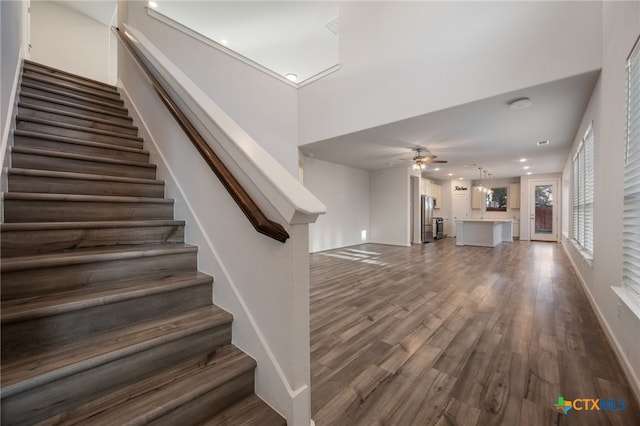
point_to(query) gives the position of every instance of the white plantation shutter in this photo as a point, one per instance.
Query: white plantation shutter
(576, 196)
(588, 189)
(583, 193)
(631, 211)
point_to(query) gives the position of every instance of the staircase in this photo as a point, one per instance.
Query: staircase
(105, 317)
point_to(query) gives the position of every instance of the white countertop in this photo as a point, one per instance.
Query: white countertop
(485, 220)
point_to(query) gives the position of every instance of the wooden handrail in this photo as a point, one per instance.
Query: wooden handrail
(250, 209)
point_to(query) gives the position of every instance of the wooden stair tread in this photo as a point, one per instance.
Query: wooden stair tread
(100, 254)
(149, 399)
(59, 154)
(83, 176)
(76, 141)
(26, 87)
(26, 226)
(34, 196)
(32, 238)
(123, 114)
(62, 74)
(41, 108)
(28, 308)
(37, 370)
(251, 411)
(75, 127)
(67, 85)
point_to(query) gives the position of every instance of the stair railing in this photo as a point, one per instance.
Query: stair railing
(248, 206)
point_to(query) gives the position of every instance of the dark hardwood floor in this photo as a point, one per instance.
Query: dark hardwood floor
(437, 334)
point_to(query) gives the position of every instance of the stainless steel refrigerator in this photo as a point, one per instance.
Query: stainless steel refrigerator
(426, 218)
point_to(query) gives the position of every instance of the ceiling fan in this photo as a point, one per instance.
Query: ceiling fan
(420, 161)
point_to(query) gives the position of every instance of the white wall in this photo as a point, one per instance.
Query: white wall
(262, 282)
(390, 204)
(345, 192)
(621, 27)
(65, 39)
(12, 43)
(386, 48)
(263, 106)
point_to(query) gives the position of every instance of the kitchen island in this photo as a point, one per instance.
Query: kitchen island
(483, 232)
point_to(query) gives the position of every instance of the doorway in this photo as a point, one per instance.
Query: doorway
(544, 210)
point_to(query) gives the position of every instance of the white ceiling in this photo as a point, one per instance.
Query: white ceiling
(486, 133)
(283, 36)
(102, 11)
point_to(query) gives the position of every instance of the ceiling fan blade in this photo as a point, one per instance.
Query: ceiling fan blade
(438, 161)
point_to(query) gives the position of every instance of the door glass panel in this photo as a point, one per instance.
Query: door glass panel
(544, 209)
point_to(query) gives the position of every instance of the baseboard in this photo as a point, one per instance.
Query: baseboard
(11, 108)
(7, 140)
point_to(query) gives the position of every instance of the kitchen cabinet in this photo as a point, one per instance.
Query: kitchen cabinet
(436, 193)
(432, 190)
(483, 232)
(424, 186)
(478, 198)
(514, 196)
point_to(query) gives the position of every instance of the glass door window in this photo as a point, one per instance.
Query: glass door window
(543, 214)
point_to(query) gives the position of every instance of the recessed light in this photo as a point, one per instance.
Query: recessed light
(153, 4)
(450, 174)
(528, 173)
(224, 42)
(460, 178)
(526, 167)
(522, 160)
(291, 77)
(520, 103)
(540, 143)
(437, 169)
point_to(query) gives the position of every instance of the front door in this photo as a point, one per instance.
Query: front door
(544, 210)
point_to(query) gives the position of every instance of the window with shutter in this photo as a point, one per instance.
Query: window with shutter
(631, 208)
(583, 197)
